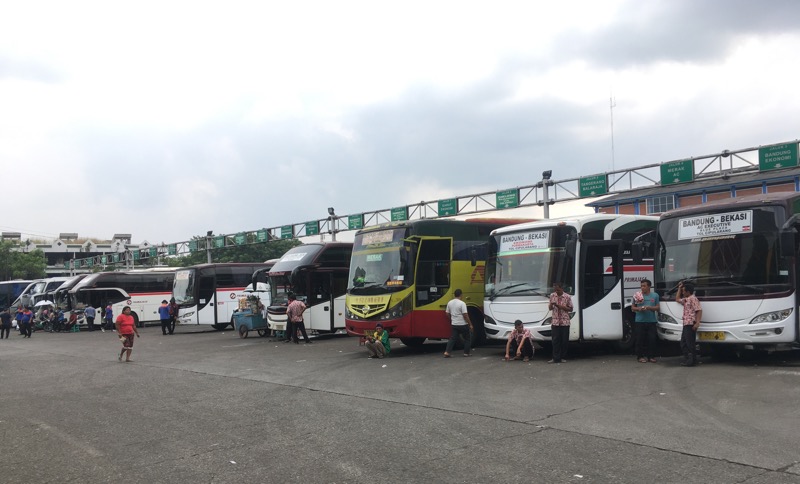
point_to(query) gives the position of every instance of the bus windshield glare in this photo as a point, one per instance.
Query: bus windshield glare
(528, 263)
(183, 288)
(724, 254)
(380, 263)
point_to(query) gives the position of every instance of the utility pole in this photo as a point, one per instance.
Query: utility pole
(546, 200)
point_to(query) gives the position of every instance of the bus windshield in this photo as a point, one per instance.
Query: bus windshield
(724, 254)
(527, 263)
(183, 288)
(380, 263)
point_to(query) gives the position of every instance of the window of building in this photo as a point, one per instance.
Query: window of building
(660, 204)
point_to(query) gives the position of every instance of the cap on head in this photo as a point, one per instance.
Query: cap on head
(379, 325)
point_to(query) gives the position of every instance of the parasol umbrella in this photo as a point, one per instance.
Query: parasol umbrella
(44, 303)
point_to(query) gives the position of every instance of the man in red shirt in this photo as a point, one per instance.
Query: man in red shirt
(126, 328)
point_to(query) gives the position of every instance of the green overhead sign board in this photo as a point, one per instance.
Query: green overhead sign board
(677, 172)
(240, 239)
(172, 249)
(312, 228)
(116, 257)
(287, 232)
(261, 235)
(592, 186)
(777, 157)
(192, 246)
(219, 242)
(153, 251)
(508, 198)
(103, 260)
(448, 207)
(355, 222)
(399, 214)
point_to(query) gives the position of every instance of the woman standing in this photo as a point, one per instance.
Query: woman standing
(126, 328)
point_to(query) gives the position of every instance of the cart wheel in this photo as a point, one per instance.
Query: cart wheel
(243, 331)
(263, 332)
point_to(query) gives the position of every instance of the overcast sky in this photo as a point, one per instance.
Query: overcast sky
(167, 119)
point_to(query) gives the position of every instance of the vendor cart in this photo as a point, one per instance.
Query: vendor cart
(249, 317)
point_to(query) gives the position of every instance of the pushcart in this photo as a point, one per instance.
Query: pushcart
(249, 318)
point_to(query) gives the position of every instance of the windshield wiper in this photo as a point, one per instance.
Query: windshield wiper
(502, 290)
(720, 278)
(694, 279)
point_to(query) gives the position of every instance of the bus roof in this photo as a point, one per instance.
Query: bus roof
(779, 198)
(222, 264)
(577, 221)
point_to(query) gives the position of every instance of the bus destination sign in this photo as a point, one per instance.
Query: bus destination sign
(524, 241)
(717, 224)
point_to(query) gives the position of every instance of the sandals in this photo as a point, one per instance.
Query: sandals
(642, 360)
(526, 359)
(447, 355)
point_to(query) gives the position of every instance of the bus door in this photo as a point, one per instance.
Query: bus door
(207, 299)
(600, 291)
(434, 258)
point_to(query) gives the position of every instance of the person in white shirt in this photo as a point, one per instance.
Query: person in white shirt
(460, 324)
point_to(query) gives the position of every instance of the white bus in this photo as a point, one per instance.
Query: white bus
(209, 293)
(742, 256)
(317, 274)
(142, 290)
(590, 255)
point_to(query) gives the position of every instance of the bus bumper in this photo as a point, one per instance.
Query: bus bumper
(397, 328)
(738, 332)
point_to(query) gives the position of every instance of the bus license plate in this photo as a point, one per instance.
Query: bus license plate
(711, 335)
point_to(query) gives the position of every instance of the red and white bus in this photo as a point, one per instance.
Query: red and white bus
(591, 255)
(142, 290)
(209, 293)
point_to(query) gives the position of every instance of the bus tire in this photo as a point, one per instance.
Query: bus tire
(628, 341)
(412, 342)
(136, 322)
(478, 333)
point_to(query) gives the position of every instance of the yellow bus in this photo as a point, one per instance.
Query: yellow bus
(403, 274)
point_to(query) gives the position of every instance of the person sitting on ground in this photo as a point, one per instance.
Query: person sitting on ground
(520, 343)
(378, 343)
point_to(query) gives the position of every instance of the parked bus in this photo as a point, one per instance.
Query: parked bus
(11, 290)
(741, 254)
(403, 274)
(142, 290)
(590, 255)
(61, 295)
(47, 291)
(25, 298)
(317, 274)
(209, 293)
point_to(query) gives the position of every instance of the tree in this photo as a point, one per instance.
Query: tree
(21, 265)
(244, 253)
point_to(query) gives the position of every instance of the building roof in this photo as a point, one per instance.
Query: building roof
(717, 182)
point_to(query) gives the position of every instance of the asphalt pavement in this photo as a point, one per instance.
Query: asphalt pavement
(207, 406)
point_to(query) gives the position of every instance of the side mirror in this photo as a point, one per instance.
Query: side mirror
(636, 252)
(787, 243)
(570, 246)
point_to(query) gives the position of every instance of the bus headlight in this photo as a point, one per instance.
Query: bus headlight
(549, 321)
(351, 315)
(666, 318)
(772, 317)
(400, 309)
(187, 315)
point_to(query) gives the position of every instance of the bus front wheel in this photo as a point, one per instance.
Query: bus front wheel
(478, 333)
(628, 341)
(136, 320)
(412, 342)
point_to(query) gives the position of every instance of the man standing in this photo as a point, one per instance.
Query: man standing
(27, 321)
(294, 315)
(692, 312)
(646, 306)
(89, 313)
(5, 323)
(163, 313)
(460, 324)
(173, 315)
(126, 328)
(561, 305)
(109, 316)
